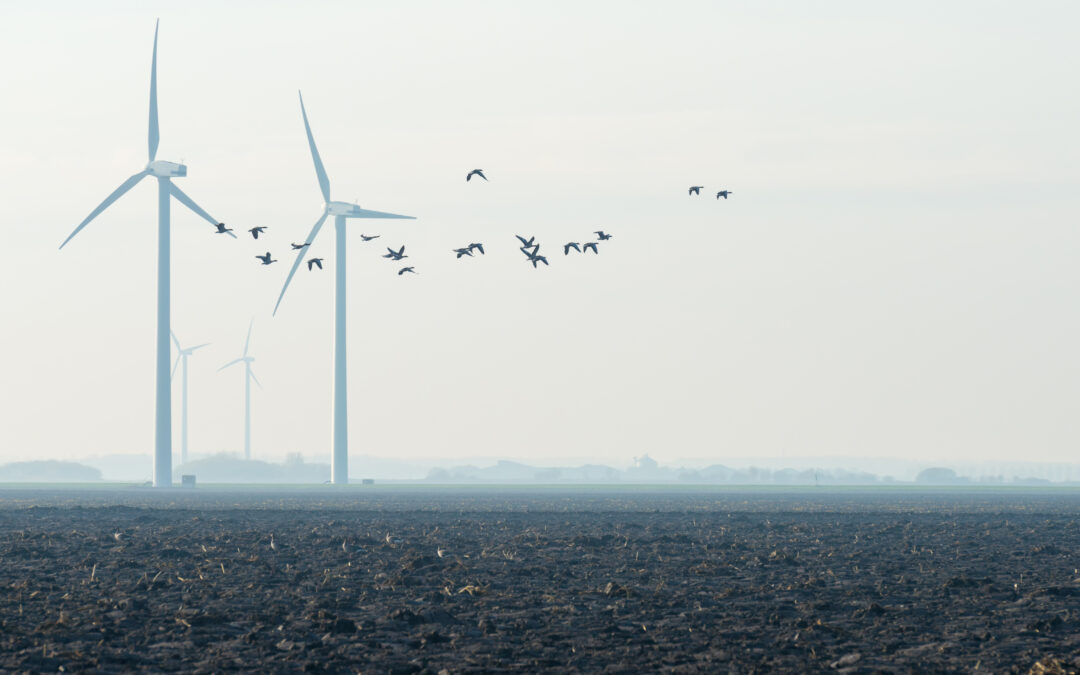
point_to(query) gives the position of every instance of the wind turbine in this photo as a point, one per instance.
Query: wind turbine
(339, 458)
(248, 378)
(164, 172)
(183, 356)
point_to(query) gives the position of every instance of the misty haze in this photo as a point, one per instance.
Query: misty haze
(584, 337)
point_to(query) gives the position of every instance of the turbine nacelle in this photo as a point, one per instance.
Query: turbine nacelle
(344, 209)
(163, 169)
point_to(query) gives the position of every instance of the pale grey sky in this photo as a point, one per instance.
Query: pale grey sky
(894, 275)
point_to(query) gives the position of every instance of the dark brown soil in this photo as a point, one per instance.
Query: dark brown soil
(424, 580)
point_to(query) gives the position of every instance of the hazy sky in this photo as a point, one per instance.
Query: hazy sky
(895, 274)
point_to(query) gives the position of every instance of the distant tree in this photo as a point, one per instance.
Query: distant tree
(645, 462)
(937, 475)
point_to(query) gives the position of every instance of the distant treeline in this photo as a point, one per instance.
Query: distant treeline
(48, 471)
(648, 471)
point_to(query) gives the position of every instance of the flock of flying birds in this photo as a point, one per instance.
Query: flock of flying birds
(529, 247)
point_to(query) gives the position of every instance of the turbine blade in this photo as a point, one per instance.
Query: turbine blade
(188, 202)
(154, 137)
(116, 194)
(324, 182)
(191, 349)
(365, 213)
(248, 340)
(230, 363)
(252, 374)
(300, 258)
(175, 341)
(174, 367)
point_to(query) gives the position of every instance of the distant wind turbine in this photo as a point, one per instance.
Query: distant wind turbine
(164, 172)
(249, 377)
(339, 459)
(182, 356)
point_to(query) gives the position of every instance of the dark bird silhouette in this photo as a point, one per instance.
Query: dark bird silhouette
(395, 255)
(221, 229)
(475, 172)
(463, 251)
(403, 270)
(266, 258)
(696, 189)
(572, 245)
(592, 245)
(525, 243)
(535, 249)
(256, 231)
(723, 193)
(297, 247)
(317, 262)
(602, 236)
(478, 247)
(367, 238)
(535, 257)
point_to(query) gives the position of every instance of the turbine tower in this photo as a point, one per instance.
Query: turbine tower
(183, 356)
(164, 172)
(339, 458)
(248, 378)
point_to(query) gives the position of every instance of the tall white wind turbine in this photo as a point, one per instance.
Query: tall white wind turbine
(339, 458)
(249, 377)
(182, 356)
(164, 172)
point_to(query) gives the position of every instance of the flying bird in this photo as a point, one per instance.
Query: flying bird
(723, 193)
(367, 238)
(525, 243)
(534, 257)
(403, 270)
(602, 236)
(572, 245)
(463, 251)
(297, 247)
(475, 172)
(317, 262)
(256, 231)
(478, 247)
(221, 229)
(696, 189)
(395, 255)
(266, 258)
(592, 245)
